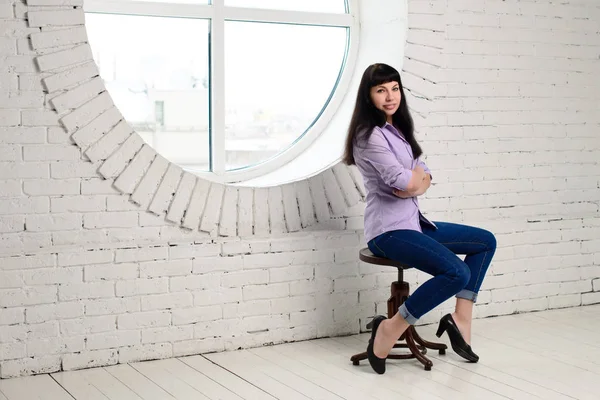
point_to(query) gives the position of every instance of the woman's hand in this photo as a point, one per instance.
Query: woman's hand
(405, 194)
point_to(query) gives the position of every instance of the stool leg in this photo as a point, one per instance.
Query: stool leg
(414, 350)
(412, 341)
(441, 347)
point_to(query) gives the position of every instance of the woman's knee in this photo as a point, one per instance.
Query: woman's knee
(462, 275)
(489, 239)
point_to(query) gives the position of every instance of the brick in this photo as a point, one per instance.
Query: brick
(93, 290)
(142, 286)
(276, 211)
(181, 198)
(10, 224)
(168, 186)
(85, 258)
(53, 222)
(71, 76)
(114, 219)
(197, 346)
(141, 254)
(127, 181)
(198, 314)
(109, 142)
(145, 352)
(27, 262)
(48, 276)
(41, 187)
(29, 366)
(194, 251)
(167, 334)
(112, 306)
(106, 272)
(87, 325)
(60, 37)
(12, 316)
(77, 204)
(194, 282)
(78, 96)
(195, 206)
(11, 279)
(144, 192)
(43, 118)
(56, 18)
(64, 58)
(87, 113)
(169, 301)
(270, 291)
(9, 170)
(261, 212)
(228, 221)
(50, 312)
(28, 296)
(45, 347)
(291, 209)
(143, 320)
(89, 359)
(165, 268)
(13, 350)
(112, 340)
(222, 296)
(243, 278)
(245, 211)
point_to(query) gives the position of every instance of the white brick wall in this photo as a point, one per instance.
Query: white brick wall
(505, 100)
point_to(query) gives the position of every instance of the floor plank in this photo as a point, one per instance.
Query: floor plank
(170, 383)
(197, 380)
(138, 383)
(226, 378)
(77, 386)
(41, 387)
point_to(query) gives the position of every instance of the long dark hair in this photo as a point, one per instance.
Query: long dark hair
(366, 116)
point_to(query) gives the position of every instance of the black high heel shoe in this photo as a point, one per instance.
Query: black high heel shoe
(378, 364)
(457, 341)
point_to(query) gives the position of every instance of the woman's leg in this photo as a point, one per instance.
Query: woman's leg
(479, 246)
(450, 275)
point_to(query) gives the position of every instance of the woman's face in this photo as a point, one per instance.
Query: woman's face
(386, 97)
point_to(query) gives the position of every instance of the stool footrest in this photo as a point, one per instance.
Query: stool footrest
(412, 341)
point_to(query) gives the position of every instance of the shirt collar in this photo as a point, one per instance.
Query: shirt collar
(393, 129)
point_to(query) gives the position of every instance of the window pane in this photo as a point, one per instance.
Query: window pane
(328, 6)
(156, 71)
(278, 78)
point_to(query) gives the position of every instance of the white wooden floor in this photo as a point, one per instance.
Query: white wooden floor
(545, 355)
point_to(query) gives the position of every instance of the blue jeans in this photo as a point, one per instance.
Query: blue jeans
(434, 252)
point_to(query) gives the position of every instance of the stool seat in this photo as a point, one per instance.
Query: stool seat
(367, 256)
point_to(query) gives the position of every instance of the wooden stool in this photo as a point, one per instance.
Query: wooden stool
(400, 292)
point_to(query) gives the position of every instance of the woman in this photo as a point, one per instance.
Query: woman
(381, 143)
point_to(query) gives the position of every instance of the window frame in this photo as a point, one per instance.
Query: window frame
(217, 14)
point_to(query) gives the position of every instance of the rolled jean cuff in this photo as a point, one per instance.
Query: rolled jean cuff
(467, 294)
(407, 315)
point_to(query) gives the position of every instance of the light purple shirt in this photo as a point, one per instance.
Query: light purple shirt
(386, 162)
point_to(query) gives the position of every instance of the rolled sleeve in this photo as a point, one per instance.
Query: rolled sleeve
(378, 153)
(425, 167)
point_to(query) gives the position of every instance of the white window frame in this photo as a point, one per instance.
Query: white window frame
(217, 13)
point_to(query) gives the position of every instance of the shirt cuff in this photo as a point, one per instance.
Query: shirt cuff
(403, 179)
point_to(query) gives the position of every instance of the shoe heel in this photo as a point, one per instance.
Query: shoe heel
(441, 329)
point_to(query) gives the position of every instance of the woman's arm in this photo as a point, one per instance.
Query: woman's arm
(418, 188)
(377, 152)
